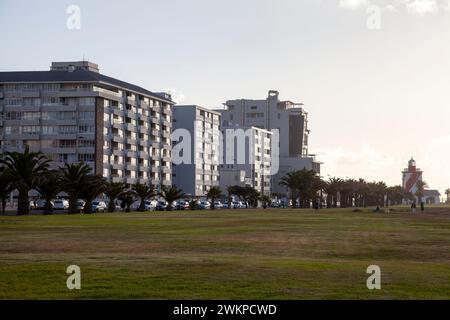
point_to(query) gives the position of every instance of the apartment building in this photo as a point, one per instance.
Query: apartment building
(74, 113)
(246, 158)
(202, 170)
(288, 117)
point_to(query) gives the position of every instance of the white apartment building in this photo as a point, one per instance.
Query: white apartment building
(74, 113)
(289, 118)
(246, 158)
(202, 171)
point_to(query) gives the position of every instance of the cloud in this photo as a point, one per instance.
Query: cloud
(422, 7)
(414, 7)
(371, 164)
(352, 4)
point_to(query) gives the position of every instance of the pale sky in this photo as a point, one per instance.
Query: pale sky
(375, 96)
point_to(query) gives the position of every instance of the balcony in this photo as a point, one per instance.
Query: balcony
(31, 94)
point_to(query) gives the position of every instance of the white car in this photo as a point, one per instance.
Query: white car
(149, 205)
(60, 204)
(218, 205)
(204, 205)
(99, 206)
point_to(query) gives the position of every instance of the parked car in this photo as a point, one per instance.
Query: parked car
(40, 204)
(32, 204)
(238, 205)
(148, 205)
(182, 205)
(99, 206)
(204, 205)
(60, 204)
(161, 206)
(80, 205)
(225, 205)
(218, 205)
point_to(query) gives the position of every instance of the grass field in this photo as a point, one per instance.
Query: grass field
(249, 254)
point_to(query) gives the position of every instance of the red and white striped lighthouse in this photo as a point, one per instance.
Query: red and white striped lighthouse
(411, 176)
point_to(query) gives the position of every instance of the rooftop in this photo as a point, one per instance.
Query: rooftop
(81, 71)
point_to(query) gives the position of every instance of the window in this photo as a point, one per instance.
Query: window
(50, 101)
(31, 116)
(49, 129)
(30, 129)
(68, 129)
(86, 157)
(87, 115)
(86, 143)
(68, 143)
(86, 129)
(13, 102)
(13, 115)
(89, 101)
(67, 115)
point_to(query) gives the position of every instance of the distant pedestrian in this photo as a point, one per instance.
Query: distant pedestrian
(422, 206)
(413, 207)
(316, 205)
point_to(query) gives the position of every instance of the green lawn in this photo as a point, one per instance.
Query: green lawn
(249, 254)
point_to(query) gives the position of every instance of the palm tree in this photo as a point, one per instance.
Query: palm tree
(170, 194)
(128, 198)
(333, 188)
(6, 187)
(214, 193)
(24, 169)
(421, 185)
(447, 193)
(73, 179)
(290, 180)
(48, 187)
(113, 190)
(266, 201)
(93, 186)
(143, 192)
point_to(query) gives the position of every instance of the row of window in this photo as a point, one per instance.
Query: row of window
(50, 101)
(81, 129)
(51, 115)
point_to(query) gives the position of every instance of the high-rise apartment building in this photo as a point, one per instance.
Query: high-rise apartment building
(202, 170)
(74, 113)
(246, 158)
(289, 118)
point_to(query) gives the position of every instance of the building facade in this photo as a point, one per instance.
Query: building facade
(74, 113)
(291, 121)
(246, 158)
(202, 170)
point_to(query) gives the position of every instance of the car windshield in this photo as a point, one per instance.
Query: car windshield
(95, 203)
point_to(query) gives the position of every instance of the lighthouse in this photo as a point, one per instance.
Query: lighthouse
(411, 176)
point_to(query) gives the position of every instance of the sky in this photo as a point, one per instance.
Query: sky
(374, 75)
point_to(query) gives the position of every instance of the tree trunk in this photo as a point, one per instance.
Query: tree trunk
(142, 205)
(73, 204)
(88, 206)
(111, 205)
(3, 206)
(48, 208)
(23, 205)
